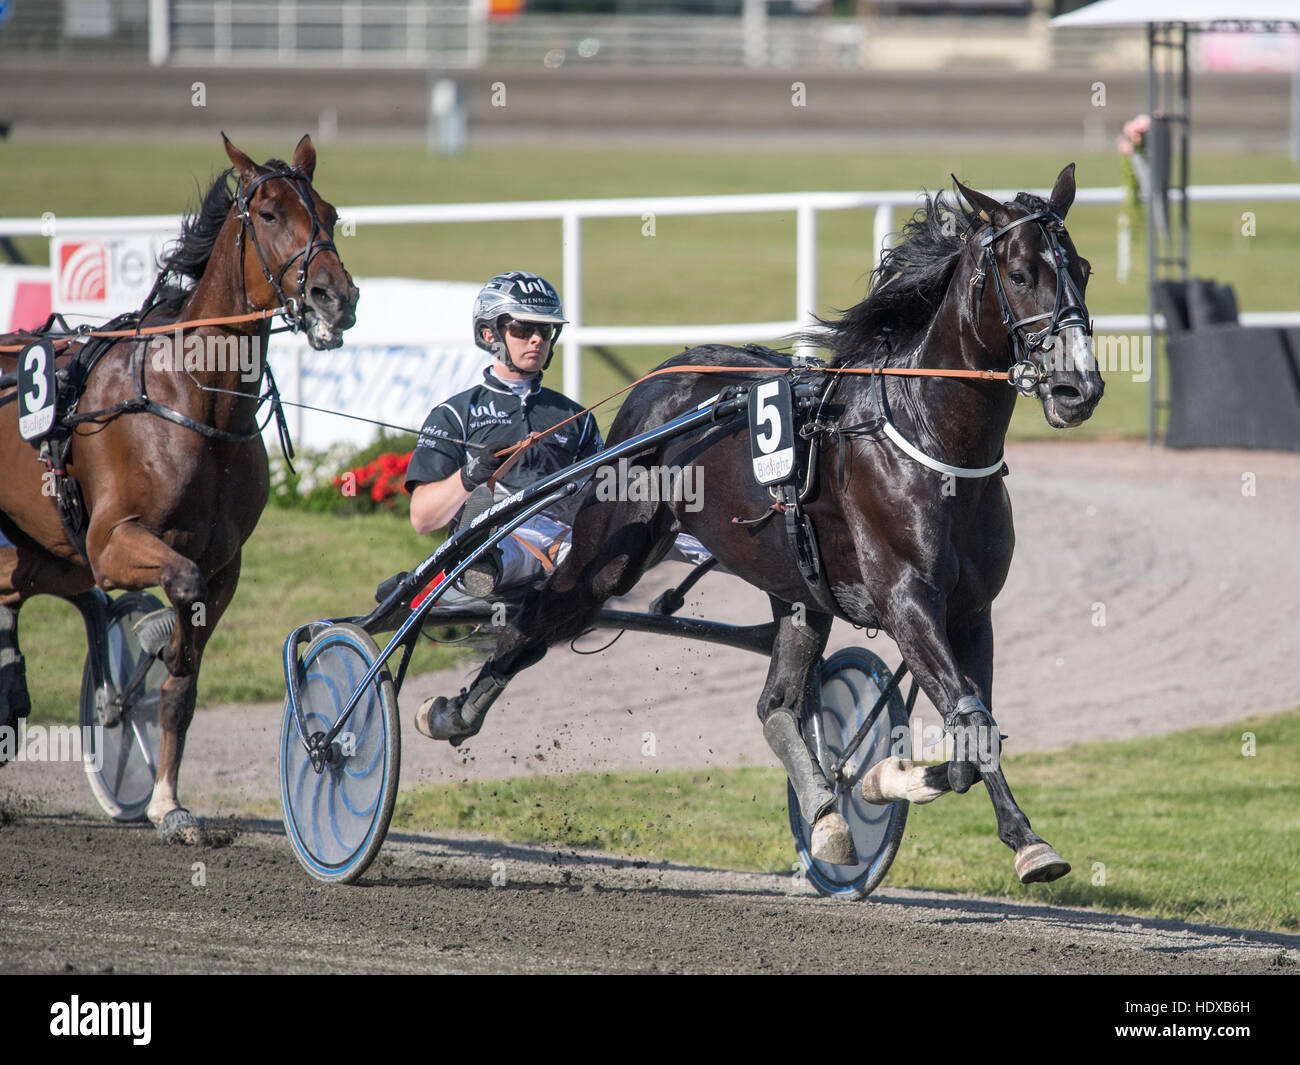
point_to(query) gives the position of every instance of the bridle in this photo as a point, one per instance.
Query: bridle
(293, 306)
(1068, 311)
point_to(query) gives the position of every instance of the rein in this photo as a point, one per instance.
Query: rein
(87, 333)
(1067, 312)
(515, 451)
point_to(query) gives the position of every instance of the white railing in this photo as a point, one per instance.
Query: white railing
(572, 213)
(406, 33)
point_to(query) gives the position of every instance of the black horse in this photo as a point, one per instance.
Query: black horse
(907, 502)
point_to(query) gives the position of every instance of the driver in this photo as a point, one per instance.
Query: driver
(517, 320)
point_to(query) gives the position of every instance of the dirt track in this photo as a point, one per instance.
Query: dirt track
(428, 906)
(1198, 583)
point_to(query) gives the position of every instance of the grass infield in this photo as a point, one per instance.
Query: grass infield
(1184, 826)
(298, 566)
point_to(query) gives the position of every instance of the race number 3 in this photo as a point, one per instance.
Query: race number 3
(36, 390)
(771, 431)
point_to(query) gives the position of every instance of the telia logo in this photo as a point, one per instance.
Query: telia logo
(83, 272)
(103, 275)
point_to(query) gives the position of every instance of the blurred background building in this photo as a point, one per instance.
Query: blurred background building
(905, 70)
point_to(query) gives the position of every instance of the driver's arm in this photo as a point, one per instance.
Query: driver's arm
(435, 503)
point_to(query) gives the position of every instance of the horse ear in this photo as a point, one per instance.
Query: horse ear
(304, 156)
(1063, 191)
(988, 208)
(243, 165)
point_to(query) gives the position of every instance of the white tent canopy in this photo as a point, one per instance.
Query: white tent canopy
(1200, 13)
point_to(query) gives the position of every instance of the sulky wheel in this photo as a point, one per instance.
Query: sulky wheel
(119, 721)
(851, 681)
(337, 818)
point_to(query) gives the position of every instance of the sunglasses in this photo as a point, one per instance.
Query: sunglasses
(523, 330)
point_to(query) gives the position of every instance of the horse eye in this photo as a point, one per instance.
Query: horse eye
(1016, 277)
(266, 216)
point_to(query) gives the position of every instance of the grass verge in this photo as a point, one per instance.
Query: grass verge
(297, 566)
(1184, 826)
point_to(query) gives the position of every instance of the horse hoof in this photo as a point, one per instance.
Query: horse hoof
(1038, 863)
(439, 719)
(832, 840)
(181, 826)
(897, 779)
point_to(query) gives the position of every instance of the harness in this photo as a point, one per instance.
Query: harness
(810, 391)
(814, 393)
(1067, 312)
(301, 185)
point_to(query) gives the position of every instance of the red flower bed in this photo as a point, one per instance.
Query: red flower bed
(381, 481)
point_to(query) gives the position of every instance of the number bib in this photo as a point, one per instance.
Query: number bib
(36, 393)
(771, 431)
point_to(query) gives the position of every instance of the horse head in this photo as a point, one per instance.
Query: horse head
(1037, 278)
(287, 224)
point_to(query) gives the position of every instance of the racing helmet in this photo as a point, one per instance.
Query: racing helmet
(516, 294)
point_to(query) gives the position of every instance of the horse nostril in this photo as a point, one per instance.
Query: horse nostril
(1066, 394)
(323, 297)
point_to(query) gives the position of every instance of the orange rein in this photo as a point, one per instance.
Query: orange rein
(515, 451)
(150, 330)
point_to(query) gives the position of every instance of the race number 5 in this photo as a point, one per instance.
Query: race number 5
(771, 431)
(36, 390)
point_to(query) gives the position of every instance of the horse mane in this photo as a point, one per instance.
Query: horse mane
(187, 257)
(905, 289)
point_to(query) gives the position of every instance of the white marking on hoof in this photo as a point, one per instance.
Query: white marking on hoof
(897, 779)
(832, 840)
(1038, 863)
(160, 807)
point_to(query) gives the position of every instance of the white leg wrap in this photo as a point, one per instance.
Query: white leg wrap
(898, 780)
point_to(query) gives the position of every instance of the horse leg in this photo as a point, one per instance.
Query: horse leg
(962, 694)
(1036, 861)
(127, 555)
(612, 543)
(25, 570)
(15, 703)
(795, 652)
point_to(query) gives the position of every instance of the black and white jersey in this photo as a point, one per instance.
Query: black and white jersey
(493, 411)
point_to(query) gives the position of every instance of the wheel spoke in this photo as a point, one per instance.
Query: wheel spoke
(142, 741)
(123, 757)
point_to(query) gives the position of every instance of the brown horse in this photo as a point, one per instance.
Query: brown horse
(165, 444)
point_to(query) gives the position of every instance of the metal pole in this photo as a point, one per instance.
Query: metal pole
(1295, 110)
(1184, 133)
(880, 232)
(572, 282)
(805, 269)
(753, 21)
(160, 32)
(1151, 234)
